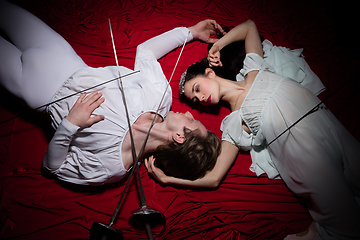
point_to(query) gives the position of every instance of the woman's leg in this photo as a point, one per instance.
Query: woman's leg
(36, 60)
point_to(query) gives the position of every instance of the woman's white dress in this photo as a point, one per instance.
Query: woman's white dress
(317, 158)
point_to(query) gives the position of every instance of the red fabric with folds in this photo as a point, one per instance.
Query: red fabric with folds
(34, 206)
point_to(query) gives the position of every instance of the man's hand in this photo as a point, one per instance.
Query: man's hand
(80, 113)
(157, 173)
(205, 29)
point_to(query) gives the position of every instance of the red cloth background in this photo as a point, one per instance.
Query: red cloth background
(35, 206)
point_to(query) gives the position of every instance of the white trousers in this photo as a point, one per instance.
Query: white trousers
(34, 59)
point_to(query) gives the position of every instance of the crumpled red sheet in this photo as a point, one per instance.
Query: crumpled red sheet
(36, 206)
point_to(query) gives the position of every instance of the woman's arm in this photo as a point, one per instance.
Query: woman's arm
(245, 31)
(212, 179)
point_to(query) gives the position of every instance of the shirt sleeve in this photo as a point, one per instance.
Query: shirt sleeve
(153, 49)
(70, 163)
(58, 148)
(234, 133)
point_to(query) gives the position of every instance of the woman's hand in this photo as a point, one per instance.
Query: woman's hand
(205, 29)
(80, 113)
(214, 56)
(157, 173)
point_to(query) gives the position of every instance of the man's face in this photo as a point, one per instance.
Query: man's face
(177, 122)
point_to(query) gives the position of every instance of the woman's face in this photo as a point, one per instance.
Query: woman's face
(202, 89)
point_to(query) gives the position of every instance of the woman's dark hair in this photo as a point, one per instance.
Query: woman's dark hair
(191, 159)
(232, 57)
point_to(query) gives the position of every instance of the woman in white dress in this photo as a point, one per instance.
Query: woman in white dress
(317, 158)
(91, 144)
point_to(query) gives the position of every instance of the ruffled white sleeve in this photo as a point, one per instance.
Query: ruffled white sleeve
(254, 62)
(233, 132)
(291, 64)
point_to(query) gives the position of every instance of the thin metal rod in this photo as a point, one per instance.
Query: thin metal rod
(142, 195)
(144, 143)
(112, 220)
(152, 124)
(292, 125)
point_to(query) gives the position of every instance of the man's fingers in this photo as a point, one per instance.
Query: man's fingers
(217, 27)
(81, 98)
(149, 163)
(94, 100)
(96, 103)
(221, 30)
(152, 162)
(94, 97)
(96, 119)
(90, 97)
